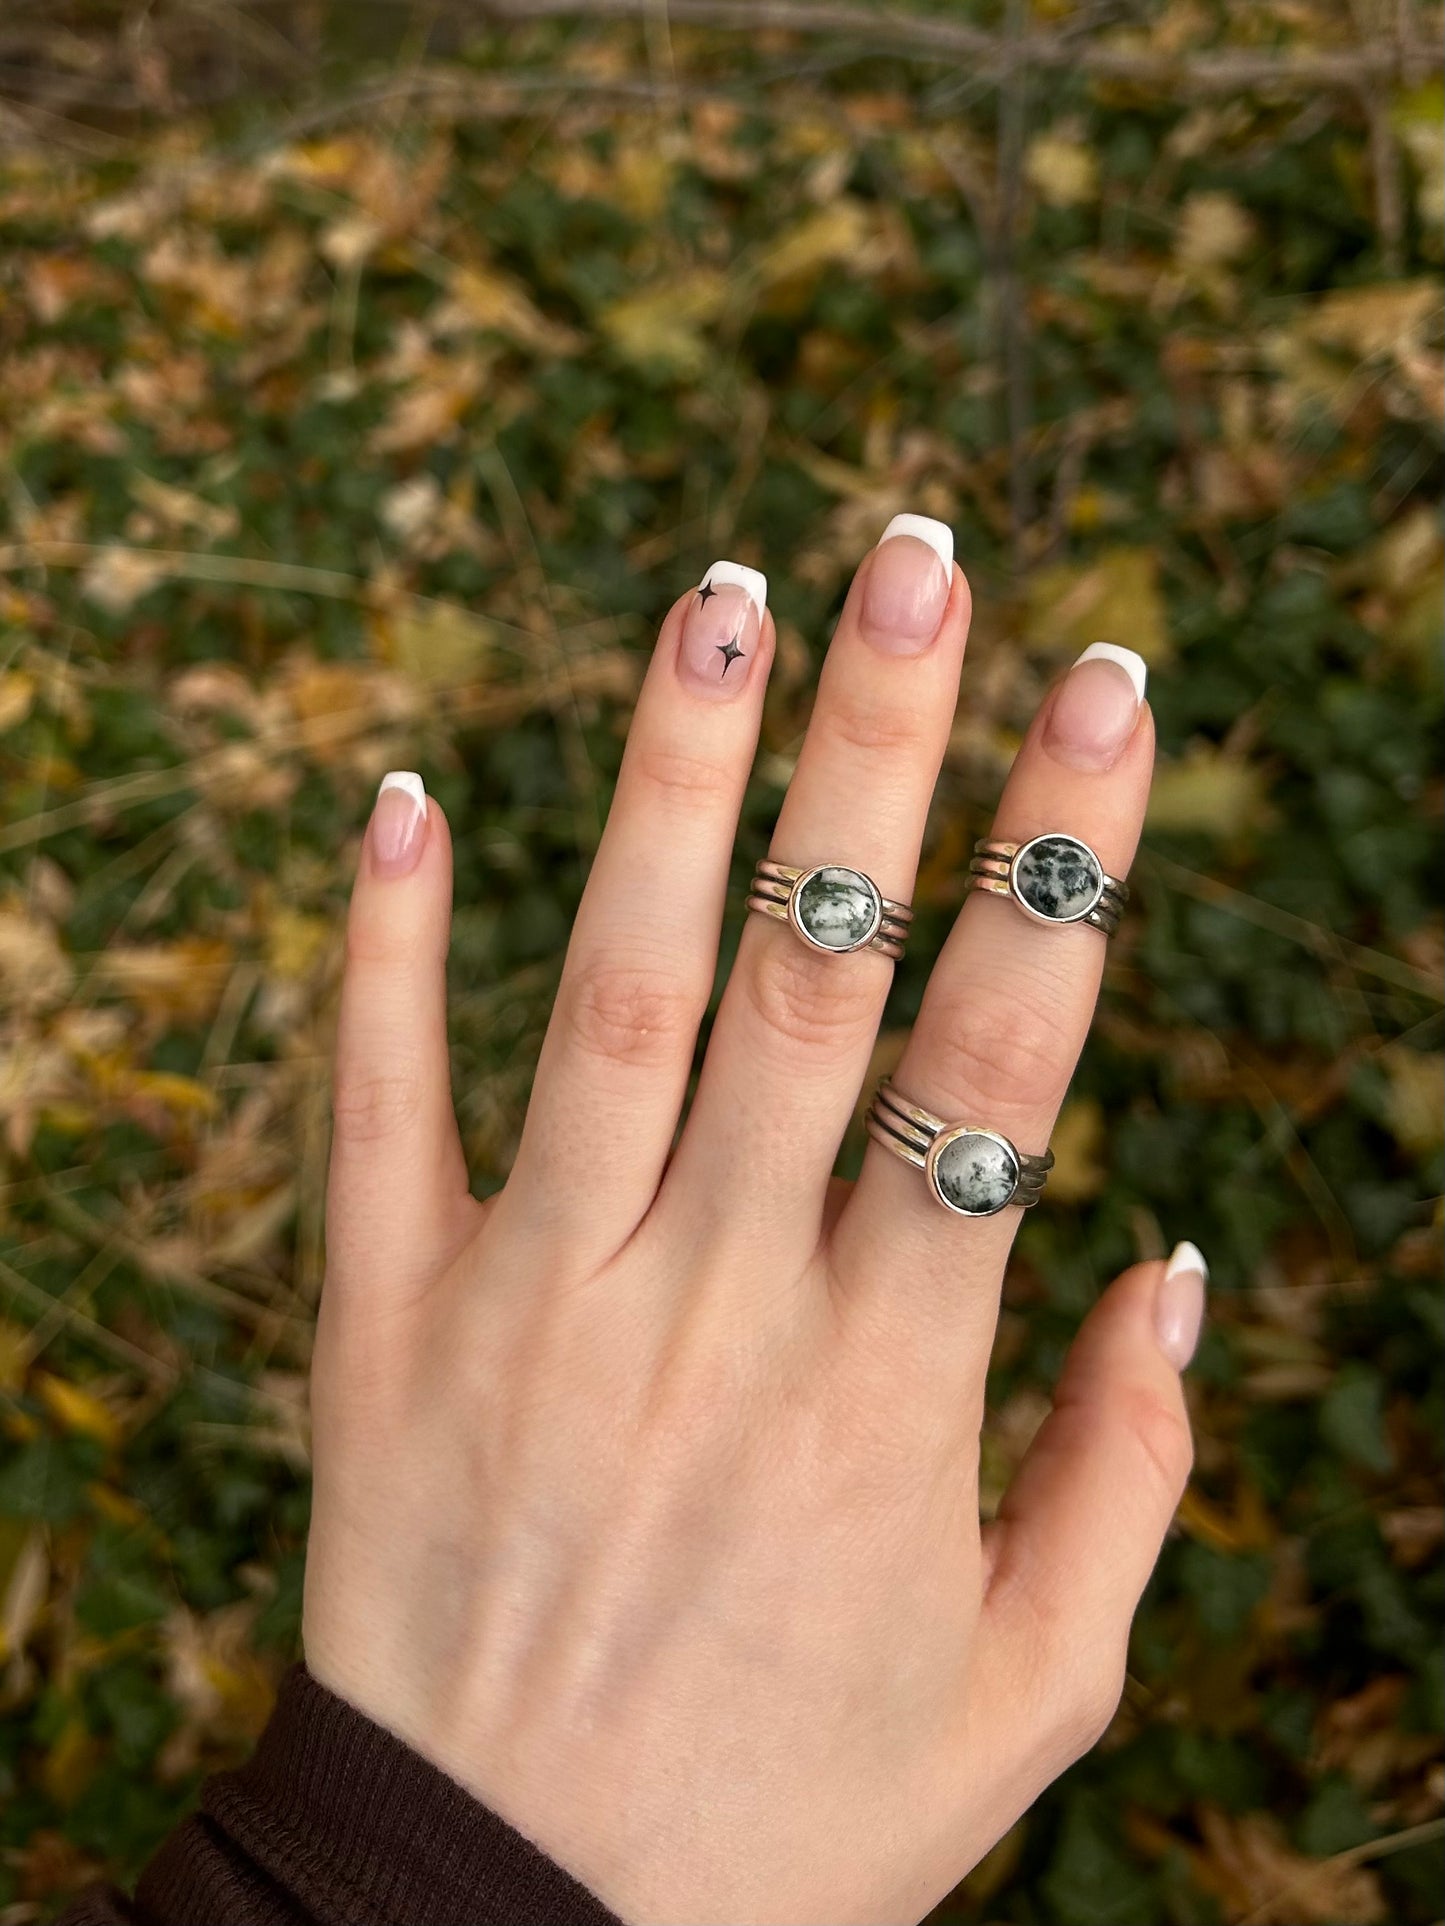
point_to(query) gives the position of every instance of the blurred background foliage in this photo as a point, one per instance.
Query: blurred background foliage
(371, 379)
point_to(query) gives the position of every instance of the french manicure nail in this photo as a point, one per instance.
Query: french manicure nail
(1179, 1305)
(907, 584)
(721, 629)
(1096, 706)
(398, 823)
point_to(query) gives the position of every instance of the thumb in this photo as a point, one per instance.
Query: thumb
(1081, 1525)
(397, 1199)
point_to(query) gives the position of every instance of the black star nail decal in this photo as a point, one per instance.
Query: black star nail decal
(703, 593)
(730, 653)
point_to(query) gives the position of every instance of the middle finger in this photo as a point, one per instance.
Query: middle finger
(796, 1026)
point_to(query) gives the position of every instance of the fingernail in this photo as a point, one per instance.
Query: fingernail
(1096, 706)
(721, 629)
(907, 584)
(398, 824)
(1179, 1306)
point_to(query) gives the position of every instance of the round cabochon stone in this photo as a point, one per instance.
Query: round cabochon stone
(975, 1174)
(1058, 878)
(838, 908)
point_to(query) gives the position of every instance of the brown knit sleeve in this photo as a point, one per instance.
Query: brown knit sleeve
(335, 1822)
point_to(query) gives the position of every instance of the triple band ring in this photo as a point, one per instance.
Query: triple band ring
(831, 907)
(971, 1171)
(1053, 878)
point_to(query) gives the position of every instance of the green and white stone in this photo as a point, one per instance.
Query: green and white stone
(838, 908)
(1058, 878)
(976, 1174)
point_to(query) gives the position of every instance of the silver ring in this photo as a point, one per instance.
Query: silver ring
(971, 1170)
(1053, 878)
(832, 907)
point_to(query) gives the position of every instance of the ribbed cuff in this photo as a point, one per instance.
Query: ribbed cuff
(339, 1821)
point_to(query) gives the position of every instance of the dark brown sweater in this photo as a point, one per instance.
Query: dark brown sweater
(334, 1822)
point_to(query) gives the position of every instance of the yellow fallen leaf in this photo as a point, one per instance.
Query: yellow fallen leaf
(1417, 1095)
(76, 1409)
(1077, 1143)
(1213, 229)
(662, 326)
(432, 641)
(483, 297)
(834, 233)
(174, 1091)
(334, 702)
(114, 1505)
(1113, 598)
(70, 1763)
(1210, 793)
(1063, 172)
(17, 693)
(295, 942)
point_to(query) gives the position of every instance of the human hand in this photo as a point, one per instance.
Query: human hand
(646, 1492)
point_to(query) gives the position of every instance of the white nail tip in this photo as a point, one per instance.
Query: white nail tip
(1186, 1257)
(408, 780)
(738, 575)
(1125, 659)
(938, 535)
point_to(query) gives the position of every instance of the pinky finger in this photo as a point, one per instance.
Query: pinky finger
(1081, 1526)
(398, 1201)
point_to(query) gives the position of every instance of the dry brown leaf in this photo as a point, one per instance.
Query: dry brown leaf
(180, 980)
(23, 1588)
(1250, 1865)
(118, 577)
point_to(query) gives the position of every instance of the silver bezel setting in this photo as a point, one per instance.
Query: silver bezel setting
(951, 1136)
(1055, 836)
(865, 882)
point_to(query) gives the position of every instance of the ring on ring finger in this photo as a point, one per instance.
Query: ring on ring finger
(1054, 878)
(832, 907)
(971, 1170)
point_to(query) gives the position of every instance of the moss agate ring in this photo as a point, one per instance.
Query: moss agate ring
(831, 907)
(972, 1171)
(1053, 878)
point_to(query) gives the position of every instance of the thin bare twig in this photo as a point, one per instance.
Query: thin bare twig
(1221, 71)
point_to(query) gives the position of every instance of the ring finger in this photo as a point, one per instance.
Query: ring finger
(1004, 1016)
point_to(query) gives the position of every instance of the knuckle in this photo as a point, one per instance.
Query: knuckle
(373, 943)
(848, 722)
(367, 1106)
(680, 779)
(803, 1001)
(1162, 1432)
(1091, 1703)
(630, 1015)
(985, 1046)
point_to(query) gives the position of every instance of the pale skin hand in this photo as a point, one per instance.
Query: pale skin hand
(646, 1492)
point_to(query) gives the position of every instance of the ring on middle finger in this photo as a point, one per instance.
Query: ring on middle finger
(1054, 878)
(832, 907)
